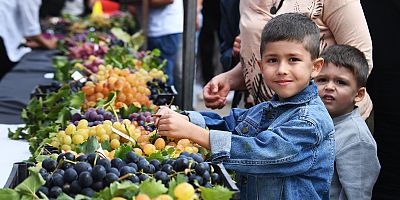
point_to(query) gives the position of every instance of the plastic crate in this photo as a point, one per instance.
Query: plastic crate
(168, 96)
(44, 90)
(226, 179)
(18, 174)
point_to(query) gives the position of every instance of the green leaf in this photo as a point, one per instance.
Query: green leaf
(62, 116)
(8, 193)
(152, 188)
(77, 100)
(122, 151)
(31, 184)
(90, 146)
(125, 189)
(157, 155)
(120, 34)
(180, 178)
(216, 193)
(64, 196)
(106, 146)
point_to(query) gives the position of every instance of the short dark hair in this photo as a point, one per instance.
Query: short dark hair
(292, 27)
(350, 58)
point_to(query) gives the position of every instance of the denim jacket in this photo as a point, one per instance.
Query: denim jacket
(278, 149)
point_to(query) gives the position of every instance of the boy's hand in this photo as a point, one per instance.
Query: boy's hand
(173, 125)
(165, 110)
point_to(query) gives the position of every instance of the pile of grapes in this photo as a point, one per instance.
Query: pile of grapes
(143, 119)
(89, 173)
(93, 116)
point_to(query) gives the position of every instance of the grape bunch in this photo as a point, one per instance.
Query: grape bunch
(91, 65)
(143, 119)
(93, 116)
(87, 174)
(87, 49)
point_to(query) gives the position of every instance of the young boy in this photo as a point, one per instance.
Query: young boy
(283, 148)
(341, 84)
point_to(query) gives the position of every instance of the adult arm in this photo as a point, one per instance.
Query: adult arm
(216, 91)
(358, 168)
(29, 11)
(159, 3)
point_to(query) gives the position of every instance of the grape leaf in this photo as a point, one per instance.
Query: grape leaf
(216, 193)
(31, 184)
(152, 188)
(126, 189)
(106, 146)
(122, 151)
(90, 146)
(77, 100)
(8, 193)
(64, 196)
(120, 34)
(157, 155)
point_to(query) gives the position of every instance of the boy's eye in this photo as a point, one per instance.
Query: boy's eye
(320, 80)
(272, 60)
(293, 59)
(340, 82)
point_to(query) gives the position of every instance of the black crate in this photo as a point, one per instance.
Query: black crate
(18, 174)
(226, 179)
(44, 90)
(166, 97)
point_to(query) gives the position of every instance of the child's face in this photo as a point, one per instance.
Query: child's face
(338, 89)
(287, 67)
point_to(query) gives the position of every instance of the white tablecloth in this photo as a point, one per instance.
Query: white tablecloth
(11, 151)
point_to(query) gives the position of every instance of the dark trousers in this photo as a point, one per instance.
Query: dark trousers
(207, 39)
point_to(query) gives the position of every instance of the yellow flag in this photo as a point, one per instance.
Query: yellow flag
(97, 8)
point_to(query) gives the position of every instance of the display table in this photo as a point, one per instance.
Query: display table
(16, 86)
(11, 151)
(15, 90)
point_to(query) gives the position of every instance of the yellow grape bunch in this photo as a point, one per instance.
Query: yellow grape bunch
(67, 139)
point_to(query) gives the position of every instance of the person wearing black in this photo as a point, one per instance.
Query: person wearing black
(382, 19)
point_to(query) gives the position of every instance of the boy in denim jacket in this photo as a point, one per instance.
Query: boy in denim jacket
(341, 84)
(283, 148)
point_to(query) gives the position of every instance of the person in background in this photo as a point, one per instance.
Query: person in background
(208, 37)
(279, 149)
(20, 30)
(341, 84)
(340, 22)
(165, 31)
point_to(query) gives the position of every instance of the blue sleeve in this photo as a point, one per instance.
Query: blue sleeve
(358, 168)
(283, 151)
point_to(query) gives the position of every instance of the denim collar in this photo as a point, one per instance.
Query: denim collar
(309, 93)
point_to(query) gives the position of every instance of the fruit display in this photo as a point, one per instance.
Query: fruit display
(94, 136)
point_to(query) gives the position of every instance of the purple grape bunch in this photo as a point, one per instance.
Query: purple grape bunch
(93, 116)
(143, 119)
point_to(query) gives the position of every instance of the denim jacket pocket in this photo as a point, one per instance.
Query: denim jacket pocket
(246, 129)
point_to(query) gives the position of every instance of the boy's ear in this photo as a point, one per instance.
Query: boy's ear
(360, 95)
(259, 63)
(317, 66)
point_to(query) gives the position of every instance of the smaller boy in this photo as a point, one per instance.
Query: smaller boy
(341, 84)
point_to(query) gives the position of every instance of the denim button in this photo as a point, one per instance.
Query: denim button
(245, 130)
